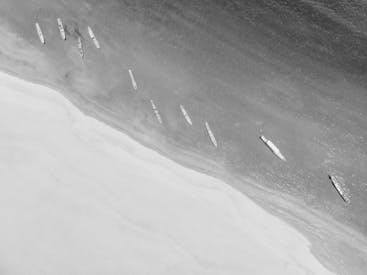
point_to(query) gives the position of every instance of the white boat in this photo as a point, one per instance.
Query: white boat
(273, 148)
(40, 34)
(211, 135)
(61, 28)
(80, 47)
(133, 81)
(156, 112)
(338, 188)
(90, 32)
(93, 37)
(186, 115)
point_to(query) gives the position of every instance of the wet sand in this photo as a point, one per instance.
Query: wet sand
(294, 73)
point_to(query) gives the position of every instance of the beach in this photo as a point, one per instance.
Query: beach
(292, 72)
(77, 196)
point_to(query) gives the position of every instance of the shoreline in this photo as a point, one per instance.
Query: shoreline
(256, 192)
(250, 187)
(231, 211)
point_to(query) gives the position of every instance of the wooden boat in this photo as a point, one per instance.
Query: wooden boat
(40, 34)
(211, 135)
(186, 115)
(156, 112)
(93, 37)
(133, 81)
(80, 47)
(273, 148)
(61, 28)
(338, 188)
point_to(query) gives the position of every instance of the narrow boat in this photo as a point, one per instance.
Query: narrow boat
(186, 115)
(156, 112)
(211, 135)
(133, 81)
(93, 37)
(40, 34)
(273, 148)
(338, 188)
(61, 28)
(80, 47)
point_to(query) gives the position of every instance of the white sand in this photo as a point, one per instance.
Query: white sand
(78, 197)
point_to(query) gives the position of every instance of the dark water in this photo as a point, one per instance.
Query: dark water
(294, 71)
